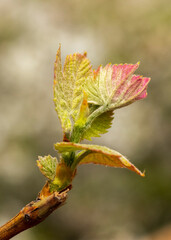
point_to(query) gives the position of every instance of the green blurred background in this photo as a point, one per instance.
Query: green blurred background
(105, 203)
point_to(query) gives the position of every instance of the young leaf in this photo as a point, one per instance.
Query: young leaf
(98, 155)
(77, 70)
(97, 87)
(47, 165)
(60, 100)
(68, 86)
(100, 125)
(116, 86)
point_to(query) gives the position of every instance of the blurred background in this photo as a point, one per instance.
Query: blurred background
(105, 203)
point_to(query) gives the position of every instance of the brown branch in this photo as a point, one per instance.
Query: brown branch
(33, 213)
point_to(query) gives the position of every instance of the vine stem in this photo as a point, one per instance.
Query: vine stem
(79, 158)
(96, 113)
(33, 213)
(78, 131)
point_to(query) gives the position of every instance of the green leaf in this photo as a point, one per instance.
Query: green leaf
(77, 70)
(98, 155)
(69, 85)
(100, 125)
(60, 100)
(47, 165)
(97, 88)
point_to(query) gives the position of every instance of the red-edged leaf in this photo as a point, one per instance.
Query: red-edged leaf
(98, 155)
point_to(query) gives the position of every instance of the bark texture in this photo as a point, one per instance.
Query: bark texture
(33, 213)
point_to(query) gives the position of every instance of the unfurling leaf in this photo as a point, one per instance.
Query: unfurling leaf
(97, 155)
(69, 85)
(47, 166)
(116, 86)
(77, 70)
(97, 87)
(61, 104)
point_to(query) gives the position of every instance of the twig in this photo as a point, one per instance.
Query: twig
(33, 213)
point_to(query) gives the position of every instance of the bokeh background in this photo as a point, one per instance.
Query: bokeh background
(105, 203)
